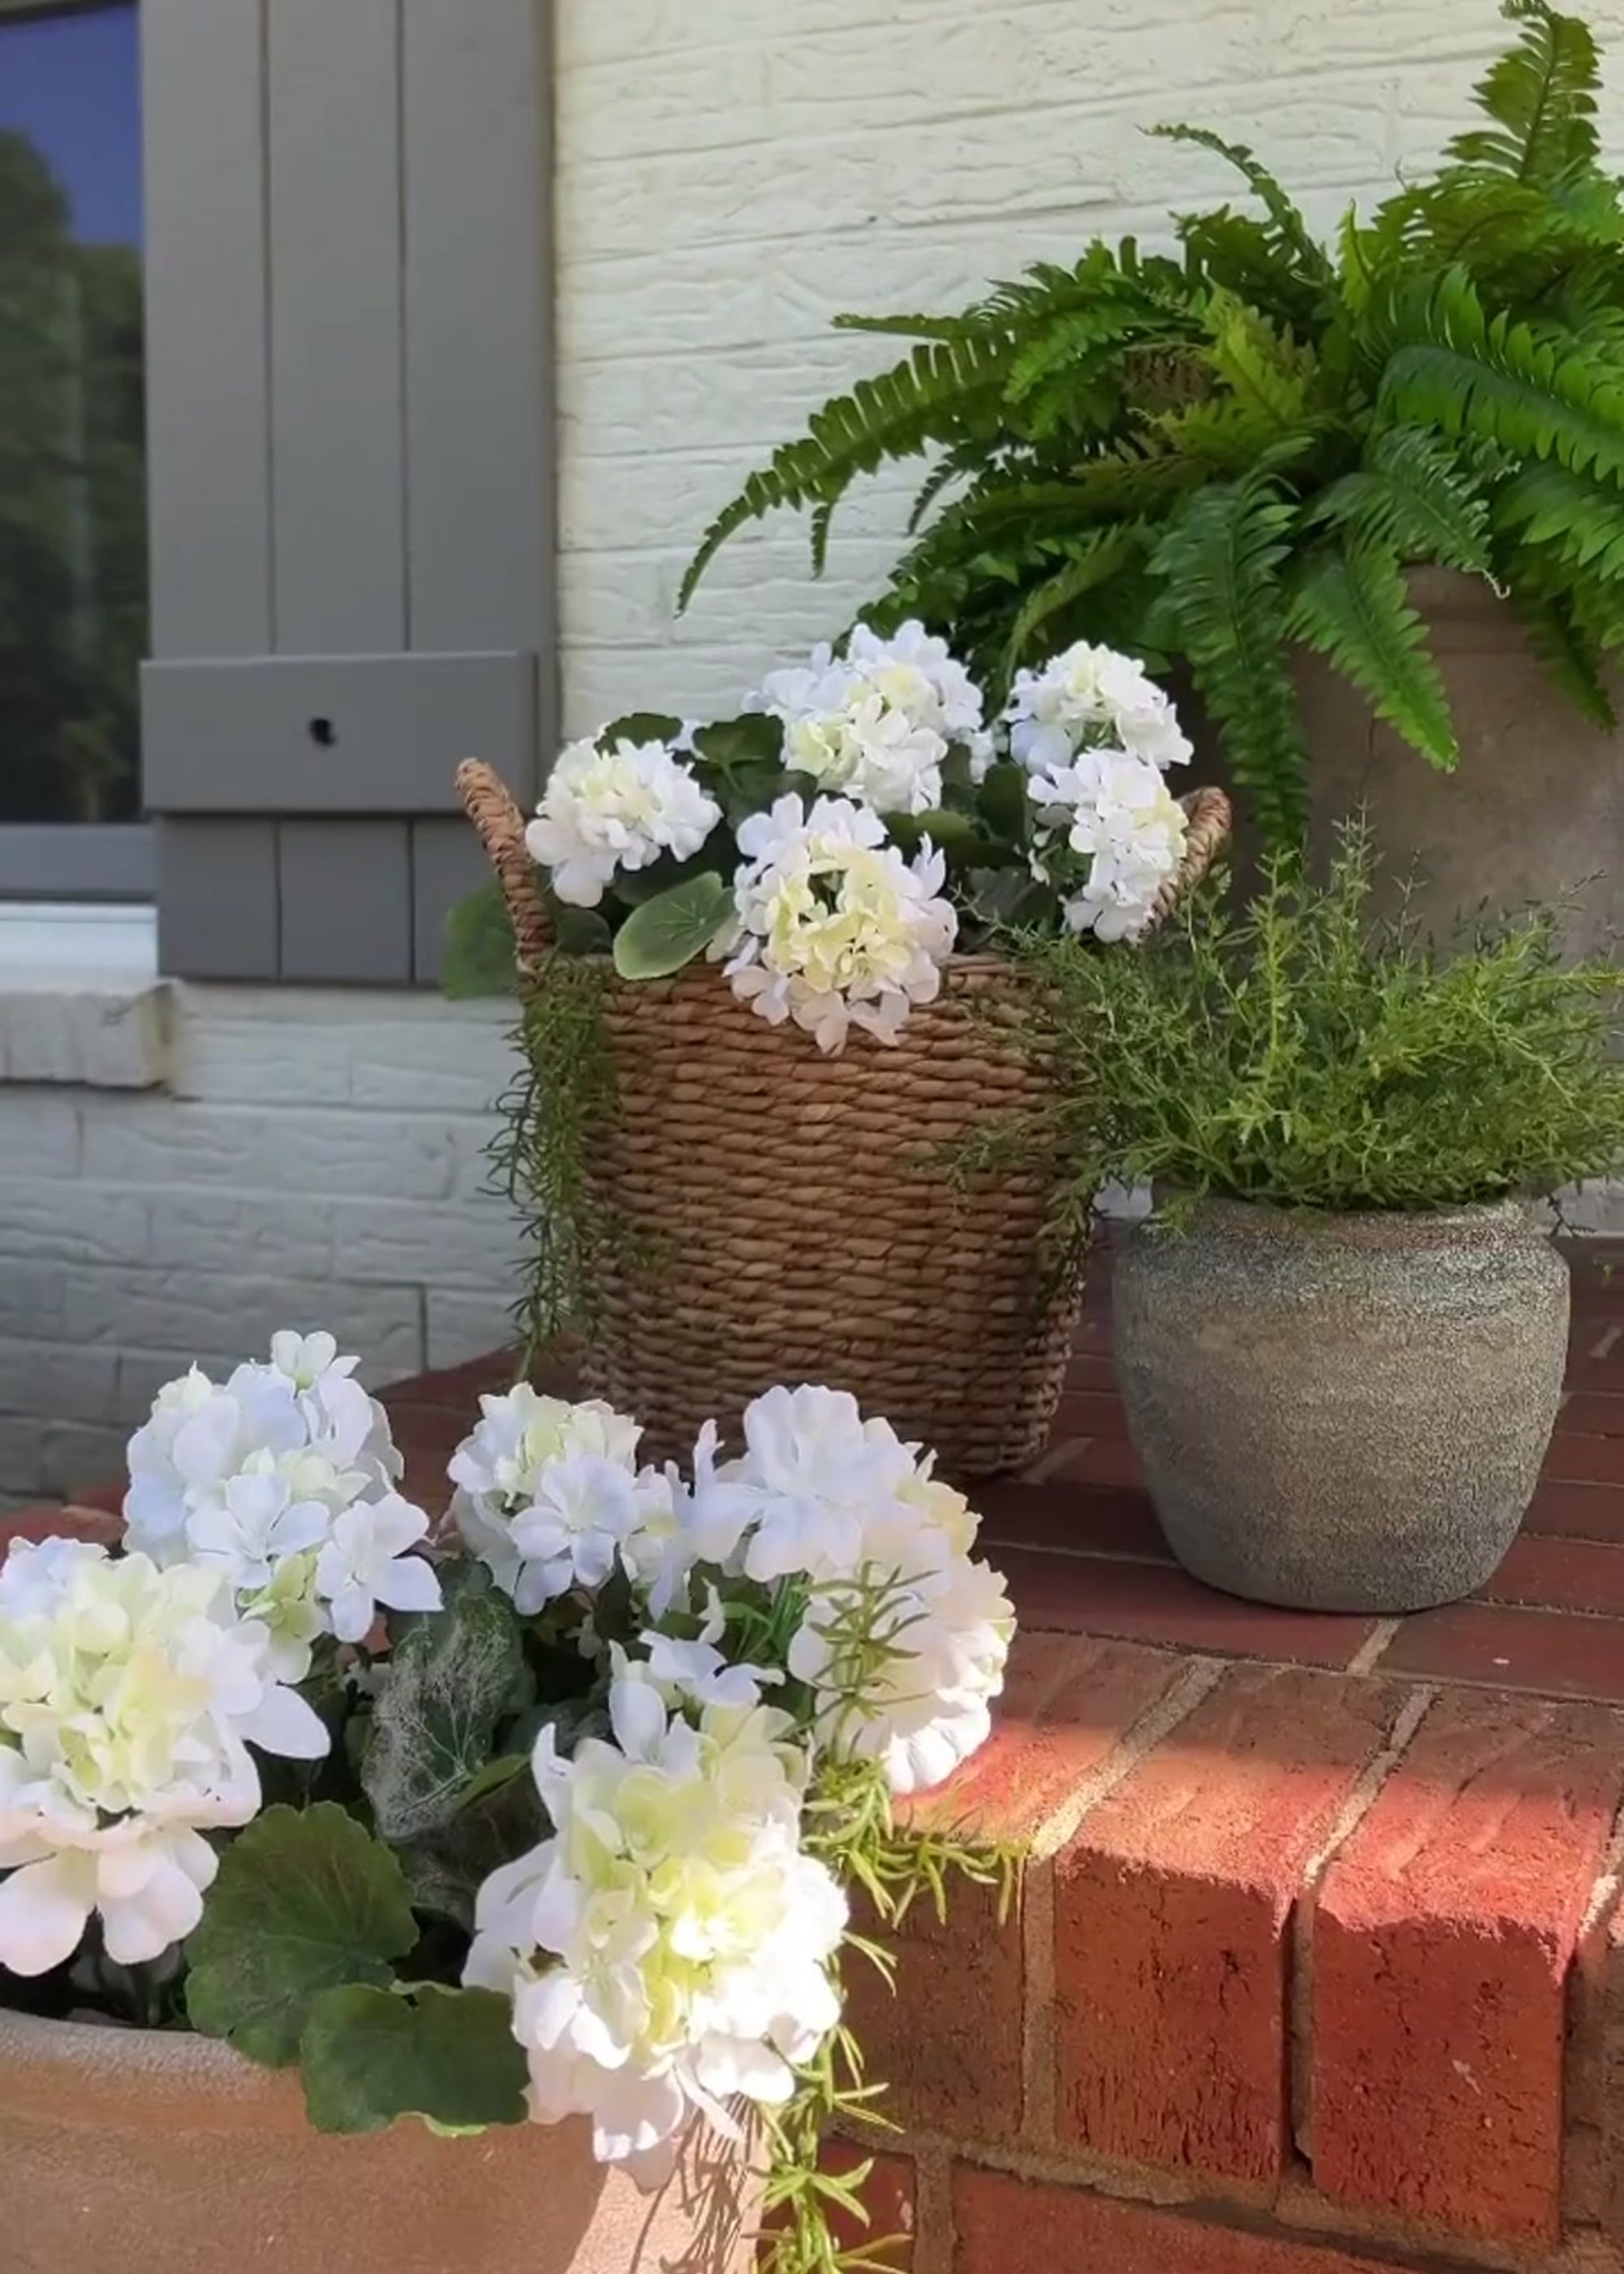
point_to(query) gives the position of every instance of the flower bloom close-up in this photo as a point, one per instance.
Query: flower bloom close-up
(876, 724)
(668, 1949)
(603, 812)
(255, 1479)
(1092, 697)
(129, 1696)
(1110, 835)
(834, 926)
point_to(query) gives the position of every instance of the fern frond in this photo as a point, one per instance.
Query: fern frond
(948, 329)
(1291, 233)
(1569, 651)
(1103, 553)
(1474, 378)
(1219, 564)
(1541, 97)
(1580, 523)
(1352, 607)
(1261, 365)
(938, 392)
(1413, 497)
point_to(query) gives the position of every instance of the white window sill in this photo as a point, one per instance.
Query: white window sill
(81, 999)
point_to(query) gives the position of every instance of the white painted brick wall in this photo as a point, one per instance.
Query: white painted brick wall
(732, 176)
(315, 1159)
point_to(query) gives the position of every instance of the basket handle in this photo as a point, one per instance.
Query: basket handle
(501, 827)
(1209, 819)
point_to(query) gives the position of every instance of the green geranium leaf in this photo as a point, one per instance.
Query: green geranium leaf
(755, 737)
(479, 954)
(664, 934)
(580, 931)
(640, 726)
(451, 1678)
(494, 1822)
(1002, 798)
(370, 2056)
(306, 1900)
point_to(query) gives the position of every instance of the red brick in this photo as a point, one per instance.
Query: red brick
(1577, 1512)
(1172, 1913)
(1585, 1461)
(1101, 1460)
(75, 1522)
(1560, 1575)
(109, 1498)
(1078, 1519)
(1442, 1939)
(1006, 2226)
(949, 2045)
(1158, 1603)
(456, 1387)
(1592, 1414)
(1553, 1651)
(884, 2232)
(1089, 1370)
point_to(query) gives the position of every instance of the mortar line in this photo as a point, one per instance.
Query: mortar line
(1299, 1999)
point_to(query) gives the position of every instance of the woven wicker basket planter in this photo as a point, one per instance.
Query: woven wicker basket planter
(788, 1222)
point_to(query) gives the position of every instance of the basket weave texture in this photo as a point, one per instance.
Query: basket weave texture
(786, 1221)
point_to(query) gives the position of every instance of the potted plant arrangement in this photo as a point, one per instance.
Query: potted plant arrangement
(1365, 494)
(761, 1002)
(544, 1831)
(1341, 1337)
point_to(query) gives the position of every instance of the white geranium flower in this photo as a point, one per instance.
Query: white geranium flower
(1115, 815)
(129, 1696)
(502, 1473)
(927, 1706)
(199, 1435)
(834, 927)
(877, 723)
(367, 1561)
(1088, 698)
(809, 1483)
(604, 810)
(255, 1525)
(668, 1949)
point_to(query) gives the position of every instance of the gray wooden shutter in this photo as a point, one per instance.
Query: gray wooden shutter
(349, 376)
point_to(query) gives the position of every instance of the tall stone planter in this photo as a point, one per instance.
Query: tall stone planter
(1533, 811)
(1341, 1413)
(123, 2150)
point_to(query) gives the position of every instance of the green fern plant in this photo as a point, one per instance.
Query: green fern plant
(1217, 456)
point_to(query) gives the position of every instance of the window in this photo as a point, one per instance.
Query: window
(73, 571)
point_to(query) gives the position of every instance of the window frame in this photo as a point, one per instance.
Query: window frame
(58, 861)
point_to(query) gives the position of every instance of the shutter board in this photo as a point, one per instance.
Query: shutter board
(207, 392)
(350, 251)
(335, 734)
(337, 447)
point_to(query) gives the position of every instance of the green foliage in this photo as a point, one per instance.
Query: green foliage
(1307, 1054)
(478, 957)
(306, 1902)
(663, 934)
(451, 1679)
(1211, 459)
(851, 1825)
(368, 2056)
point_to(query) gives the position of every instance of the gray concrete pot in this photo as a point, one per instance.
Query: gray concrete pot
(1341, 1413)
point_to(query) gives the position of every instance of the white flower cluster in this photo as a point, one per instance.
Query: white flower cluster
(281, 1480)
(605, 810)
(1095, 733)
(904, 1635)
(667, 1950)
(551, 1499)
(128, 1698)
(876, 724)
(834, 927)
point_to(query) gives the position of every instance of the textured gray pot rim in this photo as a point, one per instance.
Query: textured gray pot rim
(1352, 1227)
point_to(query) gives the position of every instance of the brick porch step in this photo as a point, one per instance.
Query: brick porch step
(1321, 1967)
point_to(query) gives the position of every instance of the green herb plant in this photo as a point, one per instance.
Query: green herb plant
(1304, 1054)
(1211, 457)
